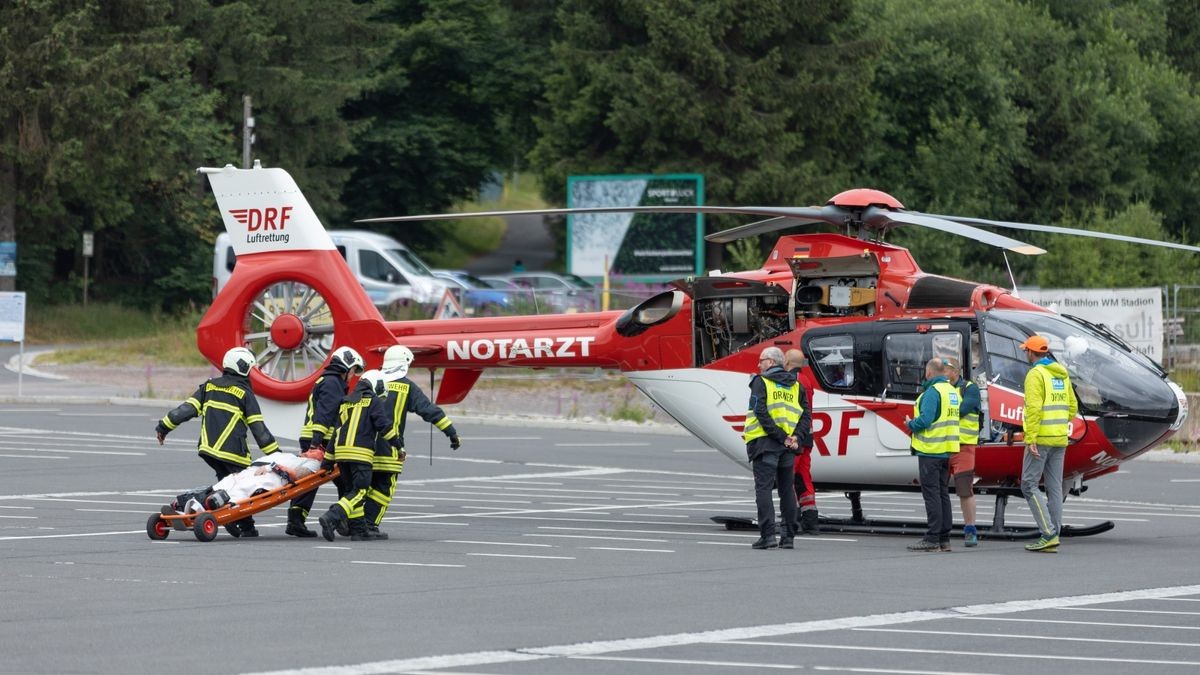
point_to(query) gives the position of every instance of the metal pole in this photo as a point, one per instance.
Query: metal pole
(247, 131)
(85, 279)
(20, 366)
(431, 397)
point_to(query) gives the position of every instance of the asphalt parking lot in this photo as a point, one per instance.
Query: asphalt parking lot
(546, 550)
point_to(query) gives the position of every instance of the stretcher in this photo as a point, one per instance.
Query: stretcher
(204, 524)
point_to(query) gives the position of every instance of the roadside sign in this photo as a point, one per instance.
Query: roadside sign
(88, 241)
(12, 316)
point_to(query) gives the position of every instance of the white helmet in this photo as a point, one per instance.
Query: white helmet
(347, 358)
(396, 361)
(239, 360)
(374, 378)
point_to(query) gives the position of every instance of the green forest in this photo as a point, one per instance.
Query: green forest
(1075, 113)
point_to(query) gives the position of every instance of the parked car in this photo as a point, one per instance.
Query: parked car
(388, 271)
(474, 293)
(562, 293)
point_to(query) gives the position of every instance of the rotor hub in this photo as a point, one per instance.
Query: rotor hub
(287, 331)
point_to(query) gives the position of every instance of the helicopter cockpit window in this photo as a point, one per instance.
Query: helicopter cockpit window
(833, 360)
(906, 354)
(1108, 377)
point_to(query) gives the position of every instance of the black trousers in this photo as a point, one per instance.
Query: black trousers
(935, 489)
(223, 469)
(772, 470)
(303, 504)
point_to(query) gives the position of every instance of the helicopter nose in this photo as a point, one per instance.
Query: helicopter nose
(1131, 434)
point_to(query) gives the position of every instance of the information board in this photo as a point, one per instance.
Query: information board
(1134, 314)
(12, 316)
(642, 246)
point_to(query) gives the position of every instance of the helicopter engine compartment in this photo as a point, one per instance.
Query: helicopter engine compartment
(843, 286)
(731, 314)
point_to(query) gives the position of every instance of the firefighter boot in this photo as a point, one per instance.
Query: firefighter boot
(375, 532)
(359, 531)
(246, 525)
(330, 520)
(295, 523)
(809, 523)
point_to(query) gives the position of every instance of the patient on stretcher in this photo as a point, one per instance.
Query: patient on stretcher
(264, 474)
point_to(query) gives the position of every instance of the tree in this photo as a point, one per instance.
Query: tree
(440, 114)
(765, 99)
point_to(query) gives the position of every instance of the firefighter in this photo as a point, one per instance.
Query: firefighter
(364, 415)
(403, 397)
(320, 420)
(226, 406)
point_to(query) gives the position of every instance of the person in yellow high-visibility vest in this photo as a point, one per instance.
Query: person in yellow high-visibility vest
(1050, 405)
(774, 412)
(935, 435)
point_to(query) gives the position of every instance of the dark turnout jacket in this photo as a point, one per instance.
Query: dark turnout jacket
(324, 403)
(226, 407)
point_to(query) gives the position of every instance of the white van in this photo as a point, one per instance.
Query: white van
(387, 269)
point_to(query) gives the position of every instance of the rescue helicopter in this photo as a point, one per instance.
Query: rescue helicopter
(862, 311)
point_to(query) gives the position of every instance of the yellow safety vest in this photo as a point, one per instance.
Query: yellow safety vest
(941, 437)
(968, 425)
(784, 407)
(1056, 408)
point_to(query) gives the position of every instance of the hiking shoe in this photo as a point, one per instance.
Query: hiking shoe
(1043, 544)
(970, 537)
(765, 543)
(925, 546)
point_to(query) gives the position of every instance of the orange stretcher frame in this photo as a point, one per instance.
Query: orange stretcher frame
(205, 524)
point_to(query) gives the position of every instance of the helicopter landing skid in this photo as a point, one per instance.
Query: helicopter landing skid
(917, 528)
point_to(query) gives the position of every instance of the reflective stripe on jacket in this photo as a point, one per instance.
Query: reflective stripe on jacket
(941, 437)
(1049, 405)
(784, 405)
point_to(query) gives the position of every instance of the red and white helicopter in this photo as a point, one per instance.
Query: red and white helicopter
(864, 314)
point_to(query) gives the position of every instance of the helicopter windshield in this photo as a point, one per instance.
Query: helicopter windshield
(1109, 378)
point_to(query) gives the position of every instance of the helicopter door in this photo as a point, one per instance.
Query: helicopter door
(906, 348)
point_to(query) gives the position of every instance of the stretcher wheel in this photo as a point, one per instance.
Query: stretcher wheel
(157, 528)
(205, 527)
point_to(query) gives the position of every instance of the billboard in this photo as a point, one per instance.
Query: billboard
(1134, 314)
(642, 246)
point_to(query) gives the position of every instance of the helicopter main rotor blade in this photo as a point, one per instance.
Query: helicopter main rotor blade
(744, 210)
(952, 227)
(1067, 230)
(801, 216)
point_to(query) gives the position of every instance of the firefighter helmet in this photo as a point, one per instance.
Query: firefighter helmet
(396, 361)
(239, 361)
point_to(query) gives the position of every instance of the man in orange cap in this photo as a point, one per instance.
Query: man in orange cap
(1050, 405)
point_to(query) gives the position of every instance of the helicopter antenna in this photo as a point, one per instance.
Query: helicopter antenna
(1011, 278)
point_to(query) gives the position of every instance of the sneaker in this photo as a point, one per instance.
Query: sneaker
(925, 546)
(970, 536)
(765, 543)
(1043, 544)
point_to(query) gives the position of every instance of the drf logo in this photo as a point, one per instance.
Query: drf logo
(269, 218)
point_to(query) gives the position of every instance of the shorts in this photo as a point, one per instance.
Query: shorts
(963, 461)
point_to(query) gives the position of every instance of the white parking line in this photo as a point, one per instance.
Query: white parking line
(591, 536)
(1082, 623)
(1129, 611)
(601, 648)
(636, 550)
(601, 445)
(494, 543)
(689, 662)
(403, 564)
(141, 511)
(32, 457)
(1029, 637)
(953, 652)
(514, 555)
